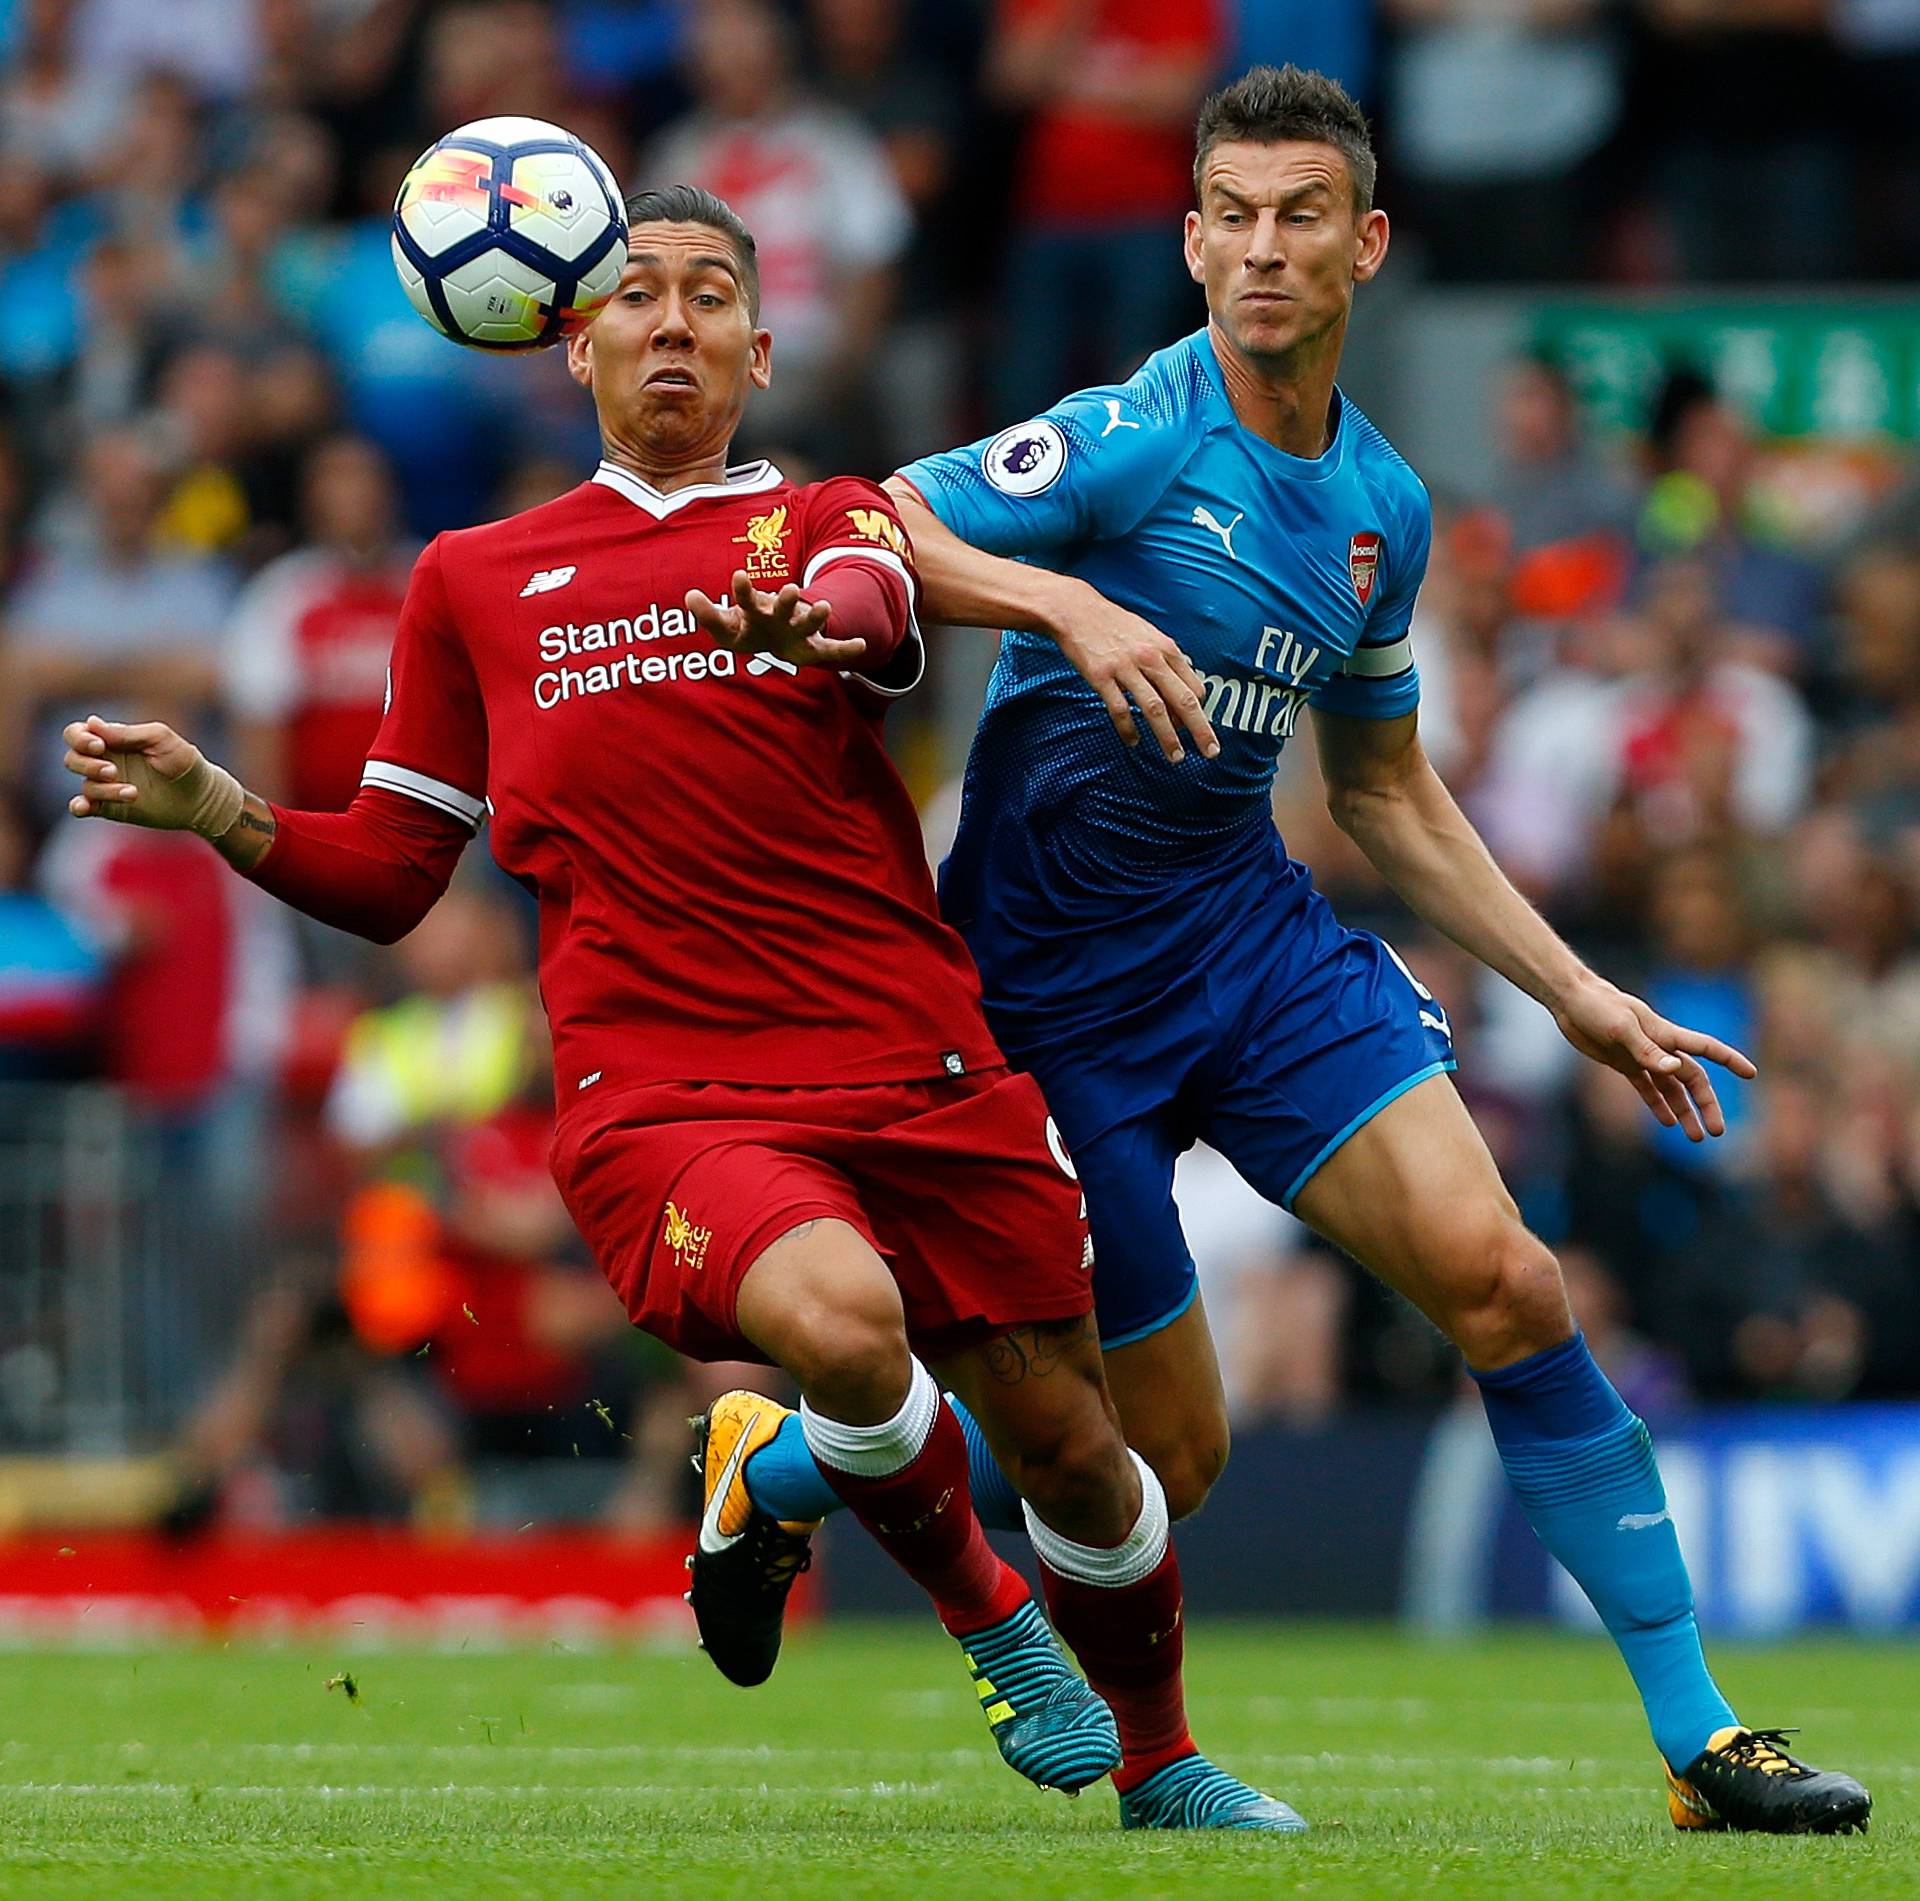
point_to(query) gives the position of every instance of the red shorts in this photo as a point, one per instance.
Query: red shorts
(963, 1187)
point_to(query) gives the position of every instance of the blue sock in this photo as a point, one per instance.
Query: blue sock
(782, 1478)
(995, 1503)
(1583, 1468)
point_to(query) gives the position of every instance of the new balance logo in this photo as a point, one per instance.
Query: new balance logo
(1114, 419)
(762, 663)
(1204, 517)
(547, 580)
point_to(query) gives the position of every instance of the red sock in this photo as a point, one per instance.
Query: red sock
(1130, 1642)
(923, 1518)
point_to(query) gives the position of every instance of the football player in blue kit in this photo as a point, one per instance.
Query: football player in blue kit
(1152, 954)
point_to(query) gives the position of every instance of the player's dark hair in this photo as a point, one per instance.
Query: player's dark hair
(1272, 105)
(691, 204)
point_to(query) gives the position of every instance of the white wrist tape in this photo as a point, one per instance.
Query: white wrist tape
(218, 798)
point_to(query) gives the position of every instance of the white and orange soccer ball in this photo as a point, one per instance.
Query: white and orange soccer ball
(509, 234)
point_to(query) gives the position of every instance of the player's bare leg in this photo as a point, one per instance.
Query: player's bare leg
(822, 1303)
(1098, 1519)
(1415, 1197)
(1173, 1406)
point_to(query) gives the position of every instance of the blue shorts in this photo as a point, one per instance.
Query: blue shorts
(1273, 1058)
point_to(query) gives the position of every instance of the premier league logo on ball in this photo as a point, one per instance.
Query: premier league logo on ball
(1027, 459)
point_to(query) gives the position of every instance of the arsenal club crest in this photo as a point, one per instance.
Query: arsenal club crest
(1363, 563)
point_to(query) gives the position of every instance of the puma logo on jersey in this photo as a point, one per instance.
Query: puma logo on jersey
(1204, 517)
(547, 580)
(1114, 419)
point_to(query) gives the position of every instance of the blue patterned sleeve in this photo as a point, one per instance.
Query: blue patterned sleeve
(1380, 680)
(1087, 469)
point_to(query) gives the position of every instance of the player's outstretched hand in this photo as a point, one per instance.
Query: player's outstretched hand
(786, 625)
(1660, 1059)
(1131, 664)
(146, 774)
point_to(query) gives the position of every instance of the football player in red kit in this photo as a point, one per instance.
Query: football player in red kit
(784, 1126)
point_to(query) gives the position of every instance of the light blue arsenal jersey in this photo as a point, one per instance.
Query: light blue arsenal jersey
(1090, 878)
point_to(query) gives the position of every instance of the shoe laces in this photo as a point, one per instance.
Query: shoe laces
(1763, 1749)
(779, 1555)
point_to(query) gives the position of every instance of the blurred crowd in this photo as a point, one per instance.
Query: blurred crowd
(1692, 733)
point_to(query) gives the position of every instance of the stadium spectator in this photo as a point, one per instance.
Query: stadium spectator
(1879, 43)
(104, 380)
(1337, 40)
(1570, 515)
(203, 425)
(1705, 742)
(484, 57)
(53, 114)
(1094, 280)
(307, 645)
(1877, 762)
(1749, 158)
(211, 45)
(1499, 110)
(49, 970)
(107, 611)
(871, 69)
(1699, 951)
(1275, 1301)
(458, 1046)
(818, 192)
(41, 243)
(1708, 497)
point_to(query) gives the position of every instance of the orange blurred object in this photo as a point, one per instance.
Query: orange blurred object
(394, 1282)
(1585, 574)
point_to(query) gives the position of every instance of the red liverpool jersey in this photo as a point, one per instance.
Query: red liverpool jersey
(731, 878)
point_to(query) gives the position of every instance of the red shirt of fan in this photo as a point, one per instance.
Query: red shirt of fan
(731, 878)
(307, 650)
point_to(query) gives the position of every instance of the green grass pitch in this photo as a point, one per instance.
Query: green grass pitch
(1515, 1767)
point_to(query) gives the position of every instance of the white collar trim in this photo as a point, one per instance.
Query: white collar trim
(751, 478)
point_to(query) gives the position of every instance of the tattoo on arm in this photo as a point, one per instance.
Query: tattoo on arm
(245, 841)
(1035, 1351)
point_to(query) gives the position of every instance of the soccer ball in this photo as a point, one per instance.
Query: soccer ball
(509, 234)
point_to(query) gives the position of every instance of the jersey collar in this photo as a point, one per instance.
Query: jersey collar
(750, 478)
(1293, 468)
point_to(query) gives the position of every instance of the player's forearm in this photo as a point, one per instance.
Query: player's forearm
(375, 869)
(1425, 847)
(869, 603)
(245, 842)
(962, 586)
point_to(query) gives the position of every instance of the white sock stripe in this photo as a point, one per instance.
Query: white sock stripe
(1125, 1563)
(876, 1452)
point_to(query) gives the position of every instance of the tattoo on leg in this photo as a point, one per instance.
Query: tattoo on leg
(1035, 1351)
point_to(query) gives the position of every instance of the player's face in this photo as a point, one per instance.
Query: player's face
(671, 359)
(1279, 246)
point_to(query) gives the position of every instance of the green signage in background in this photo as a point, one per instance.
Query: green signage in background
(1835, 372)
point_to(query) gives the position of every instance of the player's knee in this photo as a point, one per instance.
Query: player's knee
(847, 1347)
(1187, 1469)
(1076, 1474)
(1518, 1302)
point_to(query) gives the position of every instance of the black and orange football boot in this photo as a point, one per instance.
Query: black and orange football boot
(745, 1562)
(1744, 1780)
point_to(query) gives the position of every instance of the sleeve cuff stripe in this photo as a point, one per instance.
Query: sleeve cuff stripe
(1380, 663)
(866, 552)
(429, 791)
(872, 685)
